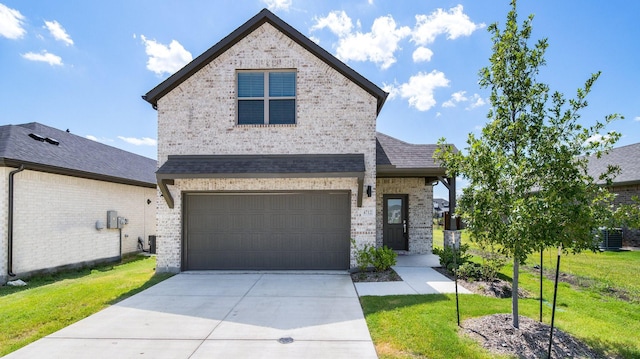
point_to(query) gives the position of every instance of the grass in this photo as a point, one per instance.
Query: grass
(425, 326)
(50, 303)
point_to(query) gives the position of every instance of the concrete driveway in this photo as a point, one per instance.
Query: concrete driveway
(222, 315)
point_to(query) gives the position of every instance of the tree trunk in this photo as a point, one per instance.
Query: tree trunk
(514, 293)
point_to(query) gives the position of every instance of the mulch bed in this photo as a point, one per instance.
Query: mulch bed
(374, 276)
(499, 288)
(497, 334)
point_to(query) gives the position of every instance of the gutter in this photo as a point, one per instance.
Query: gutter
(10, 224)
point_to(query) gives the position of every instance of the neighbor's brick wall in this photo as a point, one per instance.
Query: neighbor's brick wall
(420, 210)
(624, 195)
(199, 117)
(55, 217)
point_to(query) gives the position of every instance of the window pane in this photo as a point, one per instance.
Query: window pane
(282, 111)
(250, 84)
(282, 84)
(250, 112)
(394, 211)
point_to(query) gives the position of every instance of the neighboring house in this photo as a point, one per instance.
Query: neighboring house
(440, 206)
(56, 189)
(626, 185)
(269, 159)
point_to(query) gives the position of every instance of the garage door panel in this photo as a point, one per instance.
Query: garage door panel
(306, 230)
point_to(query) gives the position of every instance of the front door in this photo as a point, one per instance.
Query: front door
(395, 231)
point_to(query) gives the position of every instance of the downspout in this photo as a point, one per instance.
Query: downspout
(10, 224)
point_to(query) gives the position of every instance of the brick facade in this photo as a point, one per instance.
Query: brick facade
(624, 195)
(420, 225)
(333, 116)
(55, 220)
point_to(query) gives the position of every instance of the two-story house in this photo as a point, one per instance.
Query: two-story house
(269, 159)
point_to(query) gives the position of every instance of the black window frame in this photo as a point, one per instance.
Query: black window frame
(267, 99)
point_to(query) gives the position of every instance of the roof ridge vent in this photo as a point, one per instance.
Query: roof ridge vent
(37, 137)
(52, 141)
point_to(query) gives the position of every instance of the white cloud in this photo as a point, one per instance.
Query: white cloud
(11, 22)
(420, 88)
(165, 59)
(460, 97)
(337, 22)
(476, 101)
(456, 97)
(58, 32)
(422, 54)
(275, 5)
(392, 89)
(454, 23)
(314, 39)
(144, 141)
(44, 56)
(637, 119)
(101, 140)
(377, 46)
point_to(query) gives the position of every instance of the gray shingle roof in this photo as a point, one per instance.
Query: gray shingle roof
(264, 16)
(73, 155)
(626, 157)
(400, 158)
(234, 165)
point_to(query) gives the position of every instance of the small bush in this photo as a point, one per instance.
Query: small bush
(384, 258)
(381, 259)
(451, 258)
(470, 271)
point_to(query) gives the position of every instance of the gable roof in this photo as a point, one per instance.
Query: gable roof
(264, 16)
(43, 148)
(626, 157)
(395, 158)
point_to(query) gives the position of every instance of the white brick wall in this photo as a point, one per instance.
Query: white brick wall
(420, 210)
(198, 117)
(55, 217)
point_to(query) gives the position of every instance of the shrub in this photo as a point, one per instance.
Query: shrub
(381, 259)
(451, 258)
(470, 271)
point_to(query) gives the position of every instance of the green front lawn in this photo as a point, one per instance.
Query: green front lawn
(424, 326)
(53, 302)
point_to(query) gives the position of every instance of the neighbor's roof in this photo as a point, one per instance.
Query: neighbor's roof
(43, 148)
(626, 157)
(395, 158)
(264, 16)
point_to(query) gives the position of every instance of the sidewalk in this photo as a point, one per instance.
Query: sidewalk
(418, 277)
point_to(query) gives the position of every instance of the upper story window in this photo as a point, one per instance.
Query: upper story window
(266, 97)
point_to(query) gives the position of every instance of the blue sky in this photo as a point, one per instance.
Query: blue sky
(83, 65)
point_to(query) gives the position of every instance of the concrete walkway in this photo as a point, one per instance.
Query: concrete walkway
(418, 277)
(222, 315)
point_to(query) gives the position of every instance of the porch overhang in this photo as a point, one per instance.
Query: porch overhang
(260, 166)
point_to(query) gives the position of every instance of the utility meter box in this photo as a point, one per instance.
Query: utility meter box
(112, 219)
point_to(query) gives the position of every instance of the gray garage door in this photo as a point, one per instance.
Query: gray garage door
(302, 230)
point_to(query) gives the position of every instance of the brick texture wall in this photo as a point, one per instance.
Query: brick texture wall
(624, 195)
(55, 220)
(420, 224)
(199, 117)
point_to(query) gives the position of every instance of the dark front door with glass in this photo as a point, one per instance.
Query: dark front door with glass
(395, 227)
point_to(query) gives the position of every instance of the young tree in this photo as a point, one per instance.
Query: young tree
(527, 171)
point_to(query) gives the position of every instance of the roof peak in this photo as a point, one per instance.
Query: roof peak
(245, 29)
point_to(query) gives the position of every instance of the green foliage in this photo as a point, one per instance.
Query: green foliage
(451, 258)
(368, 256)
(528, 182)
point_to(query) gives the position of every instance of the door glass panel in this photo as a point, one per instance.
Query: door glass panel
(394, 211)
